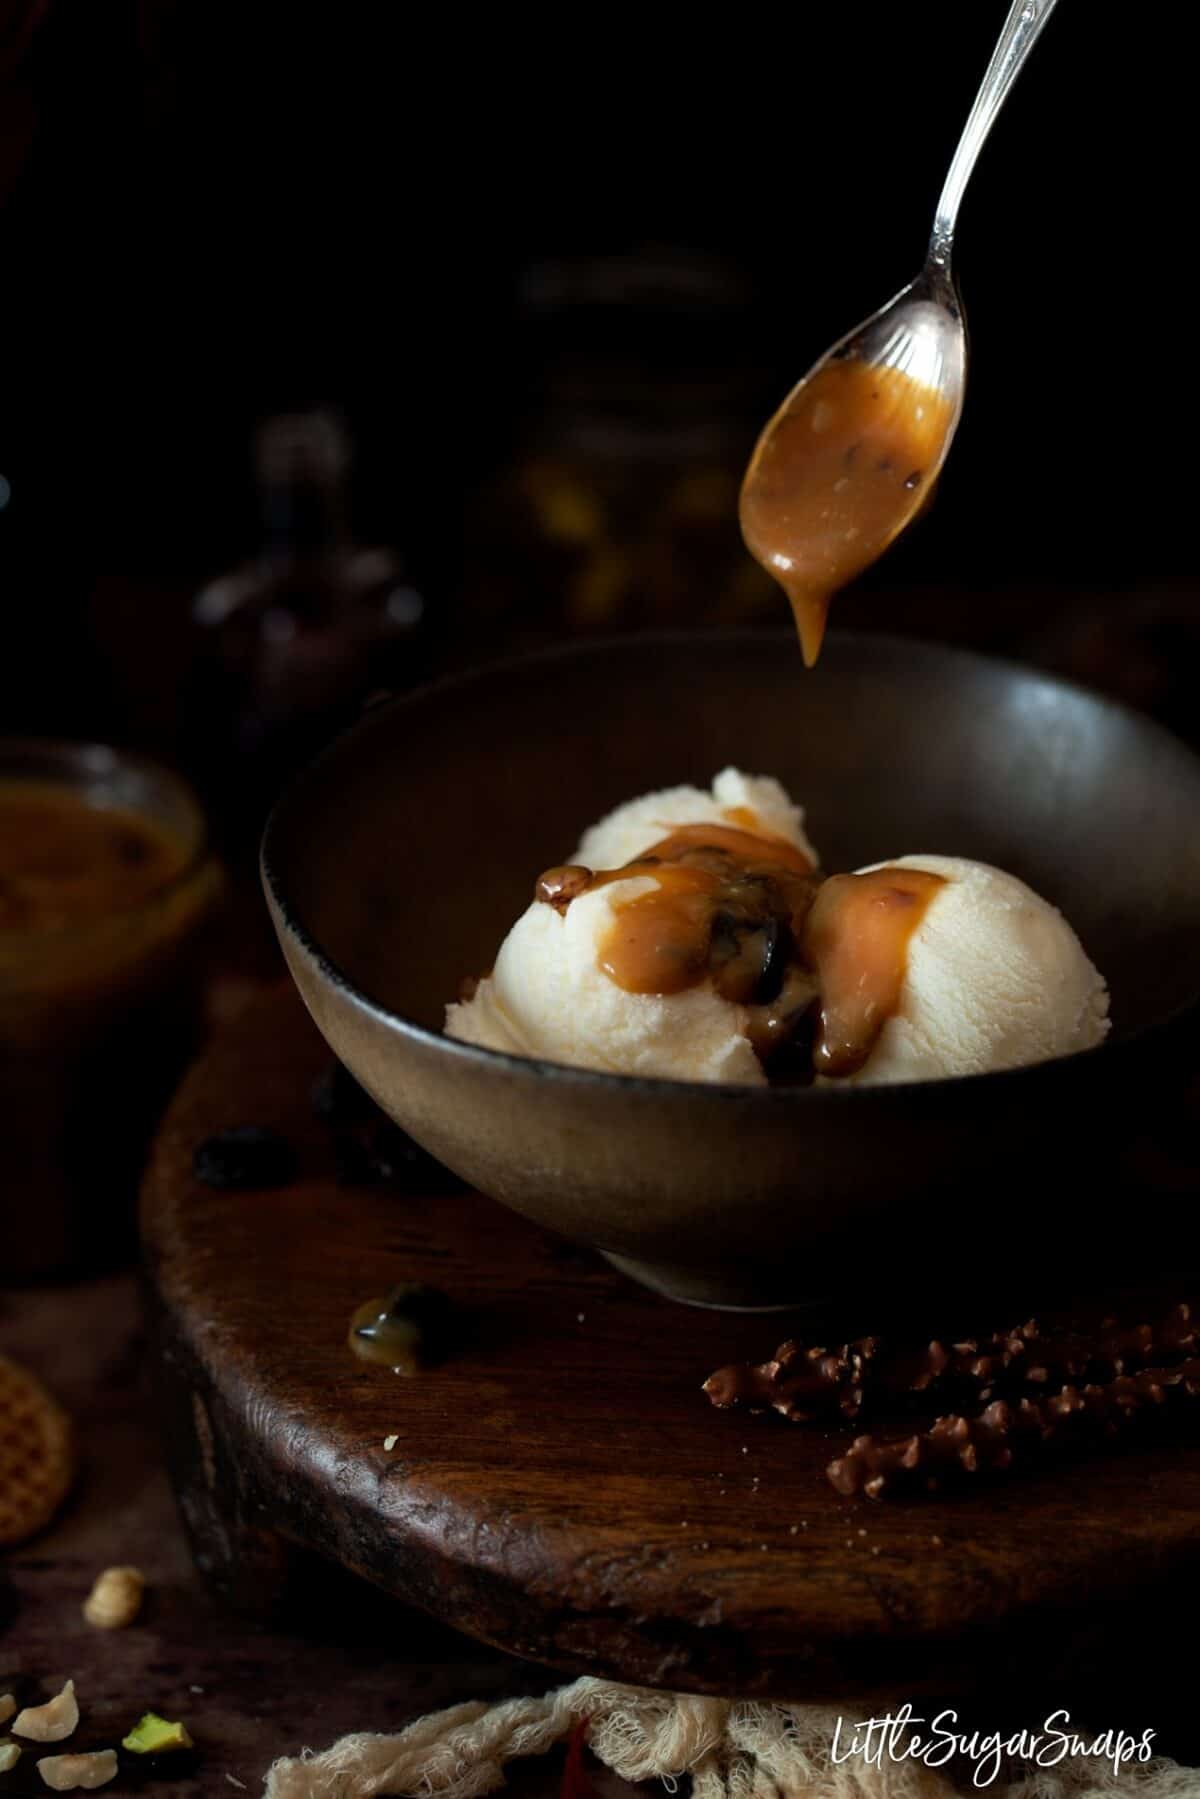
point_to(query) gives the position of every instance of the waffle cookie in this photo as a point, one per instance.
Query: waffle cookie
(37, 1454)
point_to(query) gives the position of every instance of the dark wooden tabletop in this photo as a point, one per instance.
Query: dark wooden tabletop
(345, 1657)
(557, 1484)
(248, 1693)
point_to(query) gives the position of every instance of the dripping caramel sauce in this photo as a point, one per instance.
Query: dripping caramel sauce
(856, 940)
(819, 965)
(838, 473)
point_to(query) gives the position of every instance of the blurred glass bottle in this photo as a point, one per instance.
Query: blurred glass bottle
(616, 503)
(294, 642)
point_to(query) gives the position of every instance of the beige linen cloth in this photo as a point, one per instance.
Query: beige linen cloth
(730, 1749)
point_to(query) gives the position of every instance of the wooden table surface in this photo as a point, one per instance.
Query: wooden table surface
(559, 1485)
(248, 1693)
(346, 1657)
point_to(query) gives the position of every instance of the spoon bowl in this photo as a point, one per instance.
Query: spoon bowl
(853, 453)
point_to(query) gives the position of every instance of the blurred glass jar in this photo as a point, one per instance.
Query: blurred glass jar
(107, 893)
(616, 505)
(290, 644)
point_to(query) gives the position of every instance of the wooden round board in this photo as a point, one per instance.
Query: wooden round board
(560, 1486)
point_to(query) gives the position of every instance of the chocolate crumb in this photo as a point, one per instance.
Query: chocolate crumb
(245, 1158)
(387, 1156)
(337, 1098)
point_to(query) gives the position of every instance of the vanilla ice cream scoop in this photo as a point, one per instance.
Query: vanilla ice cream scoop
(754, 803)
(689, 939)
(996, 978)
(548, 995)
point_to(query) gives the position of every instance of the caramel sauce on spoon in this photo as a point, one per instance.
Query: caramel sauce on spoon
(842, 468)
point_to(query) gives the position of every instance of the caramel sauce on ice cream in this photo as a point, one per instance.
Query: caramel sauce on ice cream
(856, 941)
(723, 904)
(837, 475)
(819, 965)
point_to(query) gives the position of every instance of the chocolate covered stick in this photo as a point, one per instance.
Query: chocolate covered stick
(1113, 1350)
(1003, 1434)
(804, 1384)
(801, 1383)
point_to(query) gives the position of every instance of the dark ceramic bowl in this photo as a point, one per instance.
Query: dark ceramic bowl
(395, 864)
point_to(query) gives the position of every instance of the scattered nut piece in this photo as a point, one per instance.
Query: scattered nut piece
(10, 1755)
(8, 1706)
(51, 1722)
(390, 1442)
(153, 1735)
(67, 1773)
(116, 1598)
(235, 1782)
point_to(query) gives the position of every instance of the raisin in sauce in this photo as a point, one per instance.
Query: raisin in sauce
(818, 965)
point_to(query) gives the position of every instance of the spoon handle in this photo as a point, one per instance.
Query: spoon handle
(1021, 30)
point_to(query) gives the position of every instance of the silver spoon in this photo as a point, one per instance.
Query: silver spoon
(852, 454)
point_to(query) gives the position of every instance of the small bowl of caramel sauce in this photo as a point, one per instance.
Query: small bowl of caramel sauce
(107, 890)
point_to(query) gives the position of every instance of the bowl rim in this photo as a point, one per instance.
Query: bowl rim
(537, 1068)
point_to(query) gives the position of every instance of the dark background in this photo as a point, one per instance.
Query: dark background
(554, 267)
(211, 211)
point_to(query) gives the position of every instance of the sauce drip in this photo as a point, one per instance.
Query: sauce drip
(837, 474)
(856, 941)
(818, 965)
(405, 1329)
(65, 861)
